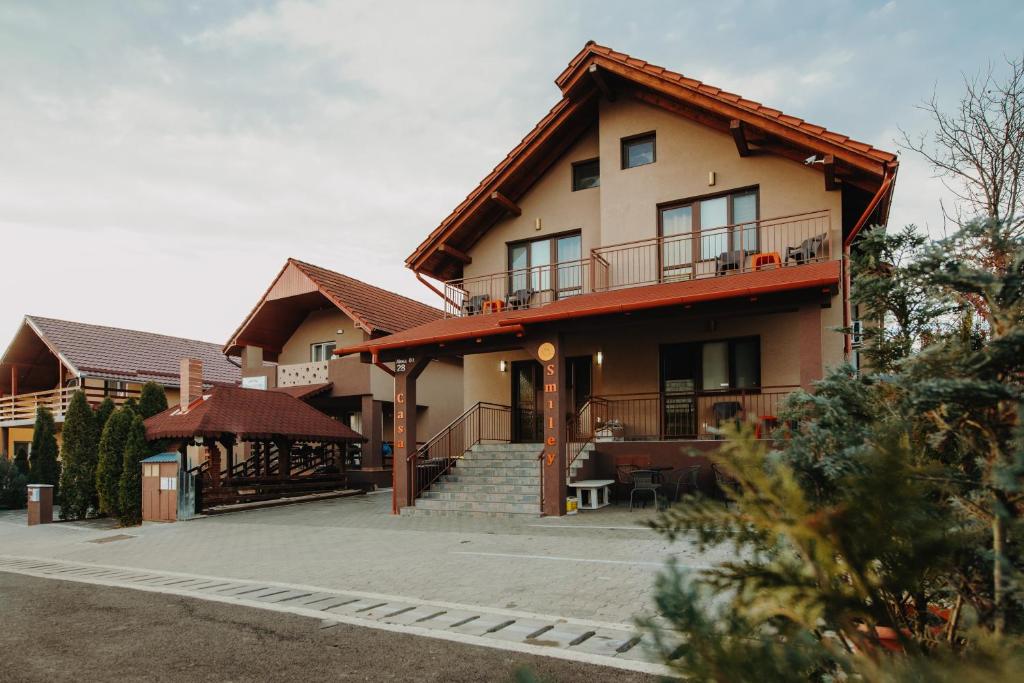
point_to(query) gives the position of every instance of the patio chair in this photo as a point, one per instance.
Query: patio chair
(473, 305)
(519, 298)
(809, 250)
(645, 481)
(689, 479)
(729, 260)
(724, 411)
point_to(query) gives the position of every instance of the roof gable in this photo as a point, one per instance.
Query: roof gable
(600, 71)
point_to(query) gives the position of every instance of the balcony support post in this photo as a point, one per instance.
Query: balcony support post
(403, 472)
(371, 417)
(14, 380)
(549, 350)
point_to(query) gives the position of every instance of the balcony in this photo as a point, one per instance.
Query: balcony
(21, 408)
(782, 242)
(349, 376)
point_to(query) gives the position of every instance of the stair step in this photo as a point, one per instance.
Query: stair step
(477, 506)
(466, 487)
(482, 479)
(482, 497)
(424, 512)
(507, 447)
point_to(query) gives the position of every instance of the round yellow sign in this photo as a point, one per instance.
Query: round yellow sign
(546, 351)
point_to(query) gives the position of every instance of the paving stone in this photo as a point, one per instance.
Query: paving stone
(484, 624)
(520, 630)
(447, 620)
(604, 642)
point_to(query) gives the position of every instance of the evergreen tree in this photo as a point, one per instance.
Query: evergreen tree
(889, 516)
(13, 483)
(135, 451)
(78, 473)
(21, 461)
(102, 414)
(43, 465)
(152, 400)
(111, 458)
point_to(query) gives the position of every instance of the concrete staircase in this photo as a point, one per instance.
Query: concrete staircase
(491, 480)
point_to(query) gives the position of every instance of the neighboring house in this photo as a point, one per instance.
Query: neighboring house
(655, 258)
(49, 359)
(288, 341)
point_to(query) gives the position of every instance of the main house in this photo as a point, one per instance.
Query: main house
(287, 342)
(50, 359)
(655, 258)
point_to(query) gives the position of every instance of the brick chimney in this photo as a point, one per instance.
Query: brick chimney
(191, 381)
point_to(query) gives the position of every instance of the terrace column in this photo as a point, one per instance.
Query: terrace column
(549, 351)
(372, 457)
(403, 472)
(213, 455)
(810, 344)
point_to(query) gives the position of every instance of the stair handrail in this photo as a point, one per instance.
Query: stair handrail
(436, 457)
(578, 438)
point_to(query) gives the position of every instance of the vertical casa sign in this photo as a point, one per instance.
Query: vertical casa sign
(546, 353)
(400, 367)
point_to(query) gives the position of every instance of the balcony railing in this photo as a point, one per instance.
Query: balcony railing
(781, 242)
(23, 406)
(667, 416)
(301, 374)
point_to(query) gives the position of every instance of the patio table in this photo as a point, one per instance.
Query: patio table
(597, 493)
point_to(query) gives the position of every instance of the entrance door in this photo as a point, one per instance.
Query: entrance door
(527, 409)
(678, 385)
(578, 381)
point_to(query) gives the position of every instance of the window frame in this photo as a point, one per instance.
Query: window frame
(695, 229)
(115, 388)
(552, 263)
(578, 164)
(626, 141)
(322, 345)
(696, 354)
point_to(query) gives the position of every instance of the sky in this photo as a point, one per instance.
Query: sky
(161, 160)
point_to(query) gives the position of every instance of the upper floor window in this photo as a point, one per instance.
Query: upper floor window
(547, 265)
(321, 351)
(700, 229)
(114, 388)
(586, 174)
(638, 150)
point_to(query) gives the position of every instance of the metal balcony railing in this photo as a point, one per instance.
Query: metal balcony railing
(781, 242)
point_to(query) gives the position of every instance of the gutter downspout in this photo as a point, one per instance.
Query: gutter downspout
(890, 177)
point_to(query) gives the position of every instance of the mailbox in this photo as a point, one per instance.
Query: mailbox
(40, 504)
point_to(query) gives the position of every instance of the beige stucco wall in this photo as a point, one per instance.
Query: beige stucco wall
(685, 153)
(552, 201)
(319, 326)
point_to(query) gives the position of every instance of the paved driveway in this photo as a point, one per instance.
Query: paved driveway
(598, 565)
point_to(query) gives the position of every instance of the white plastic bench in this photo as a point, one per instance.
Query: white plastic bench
(597, 490)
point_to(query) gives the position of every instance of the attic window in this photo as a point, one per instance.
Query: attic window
(638, 150)
(586, 174)
(321, 351)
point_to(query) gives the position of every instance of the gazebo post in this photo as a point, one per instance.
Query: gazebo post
(284, 457)
(213, 456)
(228, 441)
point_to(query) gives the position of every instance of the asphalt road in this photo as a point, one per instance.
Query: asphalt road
(59, 630)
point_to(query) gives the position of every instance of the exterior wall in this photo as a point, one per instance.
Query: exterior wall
(319, 326)
(552, 201)
(439, 392)
(17, 434)
(685, 152)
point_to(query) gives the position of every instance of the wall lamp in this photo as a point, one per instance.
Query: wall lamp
(503, 365)
(600, 357)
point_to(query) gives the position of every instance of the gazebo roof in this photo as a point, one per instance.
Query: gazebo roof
(249, 415)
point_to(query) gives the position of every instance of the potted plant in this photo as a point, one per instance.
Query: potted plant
(611, 430)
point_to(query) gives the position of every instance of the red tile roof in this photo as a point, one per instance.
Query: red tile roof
(304, 391)
(425, 258)
(825, 274)
(249, 414)
(129, 355)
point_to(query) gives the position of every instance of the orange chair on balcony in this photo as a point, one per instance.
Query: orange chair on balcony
(768, 259)
(494, 306)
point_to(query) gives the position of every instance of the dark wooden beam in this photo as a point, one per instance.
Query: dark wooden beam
(506, 203)
(829, 167)
(739, 136)
(601, 82)
(455, 253)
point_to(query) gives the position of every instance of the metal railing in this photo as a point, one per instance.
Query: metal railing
(484, 422)
(24, 406)
(779, 242)
(579, 432)
(667, 416)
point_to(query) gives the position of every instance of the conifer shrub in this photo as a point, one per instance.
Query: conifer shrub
(43, 467)
(13, 484)
(78, 470)
(135, 451)
(111, 460)
(152, 400)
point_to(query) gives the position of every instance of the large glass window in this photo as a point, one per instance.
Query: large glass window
(321, 351)
(638, 150)
(712, 215)
(586, 174)
(724, 365)
(548, 265)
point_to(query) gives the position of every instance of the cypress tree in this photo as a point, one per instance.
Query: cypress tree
(152, 400)
(136, 449)
(102, 414)
(78, 474)
(21, 461)
(43, 465)
(111, 458)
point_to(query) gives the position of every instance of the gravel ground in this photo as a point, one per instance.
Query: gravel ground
(57, 630)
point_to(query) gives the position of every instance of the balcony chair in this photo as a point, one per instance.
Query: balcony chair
(472, 305)
(809, 250)
(645, 481)
(518, 298)
(724, 411)
(730, 260)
